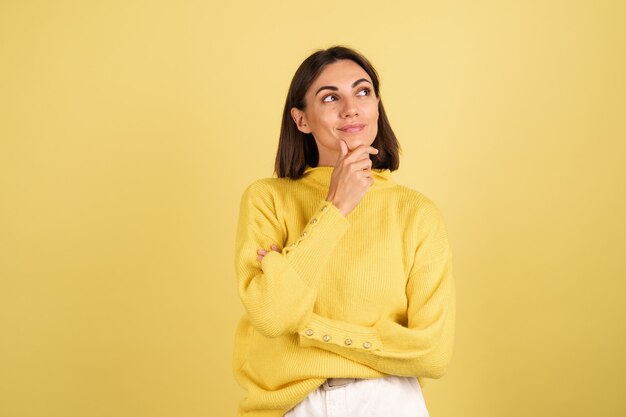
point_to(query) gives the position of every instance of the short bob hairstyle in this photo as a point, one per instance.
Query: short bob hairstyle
(296, 149)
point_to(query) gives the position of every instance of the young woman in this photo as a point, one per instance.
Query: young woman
(345, 275)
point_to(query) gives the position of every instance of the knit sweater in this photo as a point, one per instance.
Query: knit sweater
(361, 296)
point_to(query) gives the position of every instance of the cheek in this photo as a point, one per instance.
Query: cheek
(375, 121)
(327, 122)
(372, 110)
(321, 120)
(375, 114)
(374, 130)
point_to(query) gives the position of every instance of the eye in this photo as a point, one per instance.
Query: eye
(329, 98)
(364, 92)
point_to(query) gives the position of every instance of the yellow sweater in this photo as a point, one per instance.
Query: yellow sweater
(360, 296)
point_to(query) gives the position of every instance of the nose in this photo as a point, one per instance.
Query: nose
(349, 108)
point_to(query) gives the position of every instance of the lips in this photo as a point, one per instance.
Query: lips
(353, 128)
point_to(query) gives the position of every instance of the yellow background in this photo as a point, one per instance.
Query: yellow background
(129, 129)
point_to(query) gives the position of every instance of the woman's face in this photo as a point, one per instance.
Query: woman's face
(340, 105)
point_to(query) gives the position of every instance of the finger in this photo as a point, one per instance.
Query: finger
(259, 258)
(344, 149)
(362, 152)
(366, 148)
(360, 165)
(364, 173)
(261, 251)
(275, 248)
(365, 164)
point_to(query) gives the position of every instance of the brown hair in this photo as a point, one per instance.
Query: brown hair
(296, 149)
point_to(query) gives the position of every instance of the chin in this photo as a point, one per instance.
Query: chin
(354, 142)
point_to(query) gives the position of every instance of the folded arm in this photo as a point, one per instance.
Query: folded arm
(423, 347)
(279, 292)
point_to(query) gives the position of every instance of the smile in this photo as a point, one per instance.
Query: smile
(354, 128)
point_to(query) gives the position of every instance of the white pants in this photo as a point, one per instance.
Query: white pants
(391, 396)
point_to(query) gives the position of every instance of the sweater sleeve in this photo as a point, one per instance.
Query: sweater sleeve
(279, 292)
(423, 347)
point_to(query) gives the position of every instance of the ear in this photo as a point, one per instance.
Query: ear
(299, 117)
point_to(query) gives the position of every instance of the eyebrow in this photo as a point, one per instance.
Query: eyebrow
(332, 87)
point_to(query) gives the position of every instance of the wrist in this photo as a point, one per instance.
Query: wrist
(344, 212)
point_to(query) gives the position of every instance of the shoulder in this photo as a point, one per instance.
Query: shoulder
(424, 225)
(264, 186)
(416, 204)
(265, 191)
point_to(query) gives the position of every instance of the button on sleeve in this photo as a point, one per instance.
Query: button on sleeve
(338, 333)
(325, 220)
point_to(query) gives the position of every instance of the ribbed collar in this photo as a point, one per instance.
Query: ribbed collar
(320, 176)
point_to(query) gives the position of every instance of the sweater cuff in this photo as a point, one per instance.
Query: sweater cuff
(322, 331)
